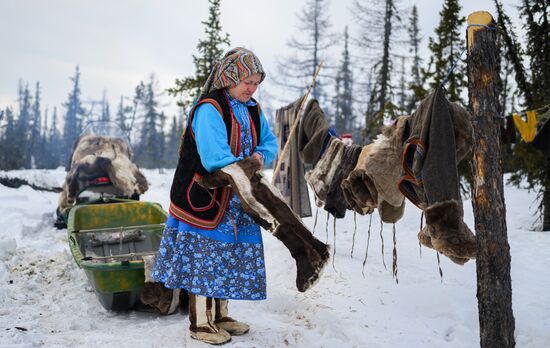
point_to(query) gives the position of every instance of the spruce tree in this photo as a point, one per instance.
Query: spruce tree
(121, 115)
(172, 143)
(528, 163)
(149, 146)
(73, 117)
(56, 139)
(12, 158)
(377, 24)
(402, 83)
(416, 84)
(343, 102)
(446, 48)
(35, 146)
(23, 128)
(209, 50)
(105, 113)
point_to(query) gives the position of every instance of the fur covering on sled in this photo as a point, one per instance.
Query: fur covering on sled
(265, 204)
(372, 184)
(440, 136)
(96, 156)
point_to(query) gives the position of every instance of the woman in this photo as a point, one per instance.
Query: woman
(210, 246)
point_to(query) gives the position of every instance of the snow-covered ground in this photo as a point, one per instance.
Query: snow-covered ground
(45, 299)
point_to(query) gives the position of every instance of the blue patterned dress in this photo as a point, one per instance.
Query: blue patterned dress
(228, 261)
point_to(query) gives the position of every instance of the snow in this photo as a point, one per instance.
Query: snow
(45, 299)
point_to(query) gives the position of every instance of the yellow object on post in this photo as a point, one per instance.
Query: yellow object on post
(528, 129)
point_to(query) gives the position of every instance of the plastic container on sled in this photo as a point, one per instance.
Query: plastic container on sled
(108, 241)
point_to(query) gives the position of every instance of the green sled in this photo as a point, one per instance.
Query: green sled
(108, 241)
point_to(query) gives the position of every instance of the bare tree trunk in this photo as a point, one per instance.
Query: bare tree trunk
(494, 284)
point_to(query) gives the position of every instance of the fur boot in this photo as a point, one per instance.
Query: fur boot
(425, 239)
(201, 316)
(265, 204)
(308, 261)
(225, 322)
(447, 233)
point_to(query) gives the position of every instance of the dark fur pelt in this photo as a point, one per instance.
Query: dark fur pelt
(312, 133)
(265, 204)
(156, 295)
(96, 156)
(336, 203)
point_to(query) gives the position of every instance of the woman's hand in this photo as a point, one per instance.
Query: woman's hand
(259, 157)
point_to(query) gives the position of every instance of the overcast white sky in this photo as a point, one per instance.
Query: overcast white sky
(118, 43)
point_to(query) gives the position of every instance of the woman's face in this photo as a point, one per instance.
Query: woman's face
(246, 88)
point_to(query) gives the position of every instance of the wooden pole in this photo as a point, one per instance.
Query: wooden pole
(295, 124)
(494, 284)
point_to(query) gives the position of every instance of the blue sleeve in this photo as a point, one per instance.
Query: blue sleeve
(268, 145)
(211, 138)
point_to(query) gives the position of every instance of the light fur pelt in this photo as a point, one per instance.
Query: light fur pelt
(320, 177)
(95, 156)
(265, 204)
(372, 184)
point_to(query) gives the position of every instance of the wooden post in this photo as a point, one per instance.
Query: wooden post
(494, 284)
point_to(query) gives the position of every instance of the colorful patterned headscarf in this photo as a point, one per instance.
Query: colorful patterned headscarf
(236, 65)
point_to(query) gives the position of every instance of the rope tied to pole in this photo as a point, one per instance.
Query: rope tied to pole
(455, 62)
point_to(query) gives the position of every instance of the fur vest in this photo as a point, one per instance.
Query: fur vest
(190, 202)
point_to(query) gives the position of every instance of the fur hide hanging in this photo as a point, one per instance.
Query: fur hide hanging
(440, 136)
(290, 179)
(96, 156)
(357, 194)
(312, 132)
(373, 182)
(320, 178)
(265, 204)
(335, 202)
(164, 300)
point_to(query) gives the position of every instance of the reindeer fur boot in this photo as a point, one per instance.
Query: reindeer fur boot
(225, 322)
(201, 315)
(447, 233)
(425, 239)
(265, 204)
